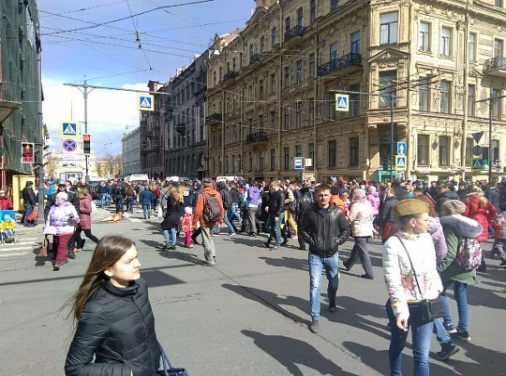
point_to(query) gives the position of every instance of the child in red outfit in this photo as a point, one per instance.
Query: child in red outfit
(187, 226)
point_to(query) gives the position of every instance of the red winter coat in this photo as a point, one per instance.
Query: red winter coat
(482, 211)
(85, 212)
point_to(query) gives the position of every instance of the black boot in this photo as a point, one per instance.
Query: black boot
(71, 254)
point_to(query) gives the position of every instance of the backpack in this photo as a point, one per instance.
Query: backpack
(469, 254)
(226, 198)
(212, 210)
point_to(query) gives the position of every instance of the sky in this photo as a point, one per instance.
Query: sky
(120, 44)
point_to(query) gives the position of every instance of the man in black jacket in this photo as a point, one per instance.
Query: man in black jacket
(275, 209)
(305, 201)
(324, 227)
(29, 202)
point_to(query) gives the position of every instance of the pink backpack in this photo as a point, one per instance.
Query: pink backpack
(469, 254)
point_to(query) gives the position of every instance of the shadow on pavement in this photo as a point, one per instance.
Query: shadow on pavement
(292, 352)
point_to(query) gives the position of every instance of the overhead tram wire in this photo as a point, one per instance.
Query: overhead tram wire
(137, 36)
(127, 17)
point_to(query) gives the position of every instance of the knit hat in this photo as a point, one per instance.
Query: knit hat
(63, 196)
(188, 210)
(411, 206)
(451, 207)
(7, 217)
(372, 188)
(357, 195)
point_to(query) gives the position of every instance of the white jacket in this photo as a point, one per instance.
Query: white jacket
(361, 219)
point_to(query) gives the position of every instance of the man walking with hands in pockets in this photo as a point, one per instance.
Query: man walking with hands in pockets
(324, 227)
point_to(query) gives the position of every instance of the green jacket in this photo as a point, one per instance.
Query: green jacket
(455, 228)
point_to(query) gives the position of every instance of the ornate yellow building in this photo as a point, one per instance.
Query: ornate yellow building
(417, 73)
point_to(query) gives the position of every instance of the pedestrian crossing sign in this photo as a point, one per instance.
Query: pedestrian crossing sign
(342, 102)
(146, 102)
(69, 129)
(477, 164)
(400, 163)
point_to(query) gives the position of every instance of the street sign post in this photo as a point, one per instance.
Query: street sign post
(297, 163)
(146, 102)
(477, 163)
(400, 163)
(69, 129)
(342, 102)
(402, 148)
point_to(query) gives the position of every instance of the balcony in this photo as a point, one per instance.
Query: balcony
(495, 67)
(214, 118)
(294, 35)
(181, 128)
(343, 65)
(255, 58)
(257, 137)
(230, 75)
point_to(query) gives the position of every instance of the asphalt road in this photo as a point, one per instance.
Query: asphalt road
(248, 315)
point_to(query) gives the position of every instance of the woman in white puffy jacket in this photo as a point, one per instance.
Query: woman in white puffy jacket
(361, 218)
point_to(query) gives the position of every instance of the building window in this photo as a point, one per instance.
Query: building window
(332, 153)
(262, 44)
(446, 40)
(472, 46)
(273, 120)
(499, 3)
(444, 91)
(423, 150)
(469, 150)
(286, 157)
(311, 152)
(312, 65)
(444, 151)
(424, 37)
(286, 122)
(274, 37)
(471, 99)
(388, 28)
(300, 17)
(298, 77)
(261, 89)
(355, 43)
(298, 151)
(287, 24)
(261, 125)
(273, 159)
(261, 161)
(354, 100)
(496, 104)
(298, 114)
(312, 11)
(273, 84)
(334, 4)
(387, 88)
(354, 143)
(498, 48)
(333, 54)
(423, 95)
(332, 107)
(311, 112)
(287, 76)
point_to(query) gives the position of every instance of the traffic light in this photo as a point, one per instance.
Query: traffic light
(27, 152)
(86, 143)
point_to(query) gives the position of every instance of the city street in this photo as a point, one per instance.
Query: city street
(246, 316)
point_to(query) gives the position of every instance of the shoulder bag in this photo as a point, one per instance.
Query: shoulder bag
(427, 309)
(168, 369)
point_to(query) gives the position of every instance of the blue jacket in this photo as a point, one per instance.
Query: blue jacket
(146, 197)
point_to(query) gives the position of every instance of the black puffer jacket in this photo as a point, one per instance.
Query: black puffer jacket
(324, 233)
(305, 201)
(387, 212)
(117, 325)
(276, 202)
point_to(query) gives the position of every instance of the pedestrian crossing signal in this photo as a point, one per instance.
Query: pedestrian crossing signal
(27, 155)
(86, 144)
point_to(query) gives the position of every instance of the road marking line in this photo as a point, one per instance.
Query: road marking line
(13, 254)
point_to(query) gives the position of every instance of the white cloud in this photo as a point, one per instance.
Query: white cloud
(111, 113)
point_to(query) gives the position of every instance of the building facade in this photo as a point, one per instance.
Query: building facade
(131, 152)
(429, 75)
(20, 88)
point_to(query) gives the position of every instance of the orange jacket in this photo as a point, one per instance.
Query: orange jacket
(337, 201)
(199, 207)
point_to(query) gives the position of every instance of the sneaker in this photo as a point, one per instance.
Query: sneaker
(315, 326)
(450, 328)
(267, 245)
(302, 248)
(447, 350)
(233, 234)
(216, 234)
(275, 248)
(332, 306)
(367, 276)
(463, 335)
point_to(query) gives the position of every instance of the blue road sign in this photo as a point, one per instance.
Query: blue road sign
(297, 163)
(146, 102)
(402, 148)
(69, 129)
(69, 145)
(400, 162)
(342, 102)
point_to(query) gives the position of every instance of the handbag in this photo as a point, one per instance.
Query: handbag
(427, 309)
(43, 248)
(48, 229)
(33, 215)
(168, 369)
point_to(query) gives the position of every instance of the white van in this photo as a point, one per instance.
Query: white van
(229, 178)
(138, 178)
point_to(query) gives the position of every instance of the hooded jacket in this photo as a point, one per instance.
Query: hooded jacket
(374, 199)
(117, 326)
(457, 227)
(480, 212)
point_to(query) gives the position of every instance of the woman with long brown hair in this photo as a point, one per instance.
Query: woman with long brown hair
(112, 315)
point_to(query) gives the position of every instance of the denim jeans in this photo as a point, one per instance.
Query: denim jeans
(146, 208)
(441, 333)
(460, 294)
(274, 227)
(421, 337)
(316, 265)
(234, 212)
(168, 234)
(230, 225)
(119, 204)
(129, 203)
(103, 200)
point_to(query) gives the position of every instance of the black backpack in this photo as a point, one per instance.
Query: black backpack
(212, 210)
(226, 198)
